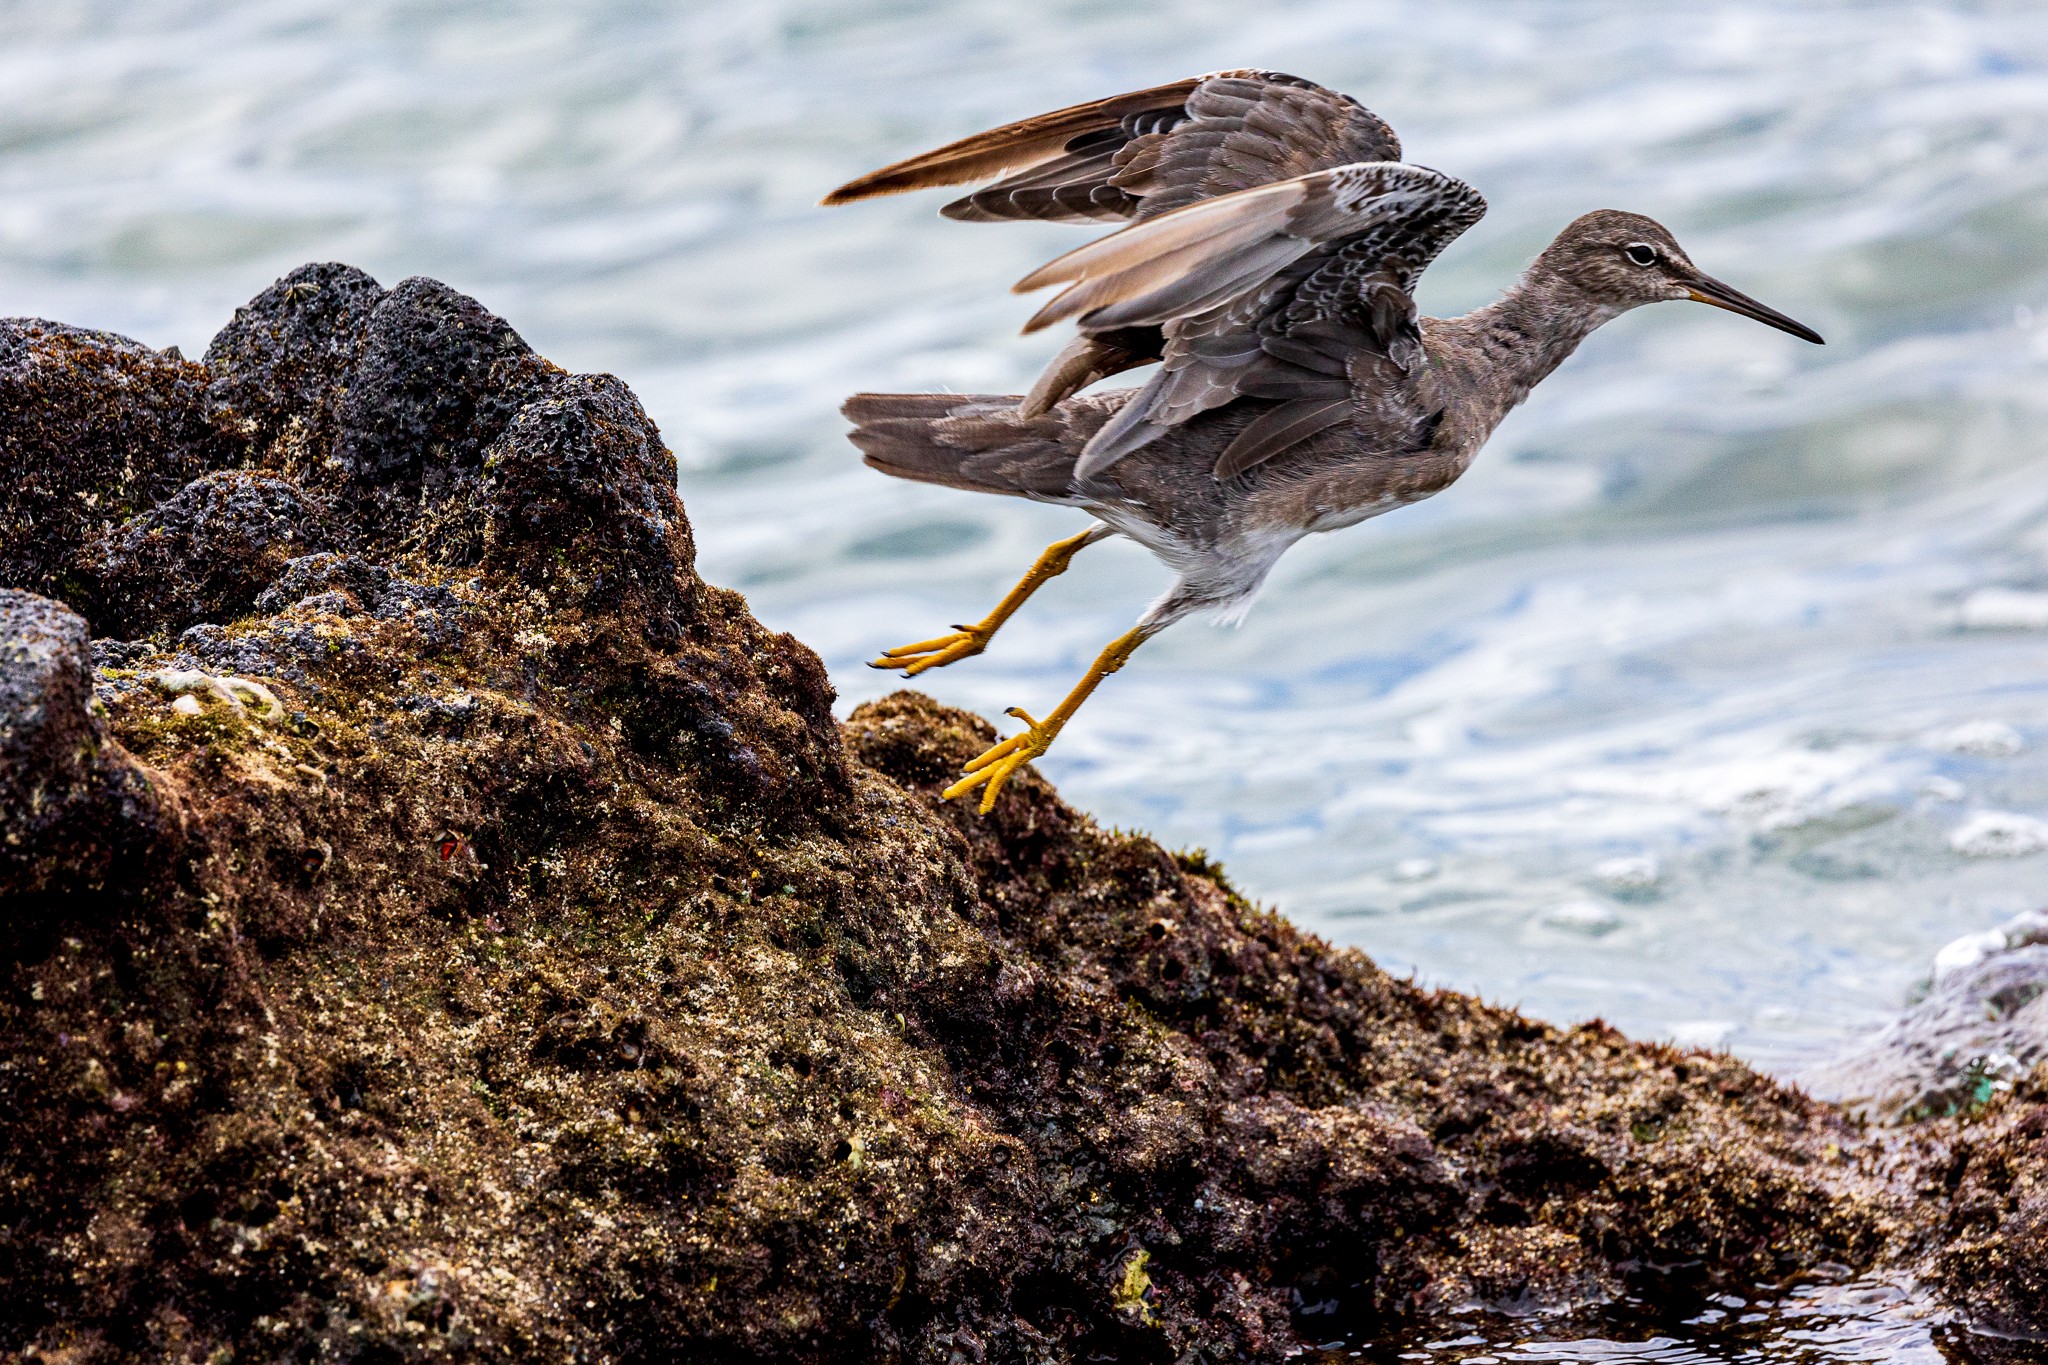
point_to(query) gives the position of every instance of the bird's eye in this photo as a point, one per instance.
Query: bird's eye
(1642, 253)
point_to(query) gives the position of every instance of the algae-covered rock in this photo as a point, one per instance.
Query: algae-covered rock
(277, 374)
(547, 974)
(94, 429)
(1991, 1237)
(80, 817)
(1981, 1026)
(203, 554)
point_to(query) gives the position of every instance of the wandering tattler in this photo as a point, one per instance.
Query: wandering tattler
(1274, 243)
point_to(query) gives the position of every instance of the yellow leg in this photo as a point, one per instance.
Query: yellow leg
(994, 767)
(967, 641)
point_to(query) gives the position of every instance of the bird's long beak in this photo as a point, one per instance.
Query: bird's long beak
(1707, 289)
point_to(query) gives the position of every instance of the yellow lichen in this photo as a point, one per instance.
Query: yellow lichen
(1133, 1292)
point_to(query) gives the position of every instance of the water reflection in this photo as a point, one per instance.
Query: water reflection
(1854, 1322)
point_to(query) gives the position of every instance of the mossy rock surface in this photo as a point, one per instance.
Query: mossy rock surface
(549, 975)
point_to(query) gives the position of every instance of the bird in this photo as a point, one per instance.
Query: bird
(1272, 239)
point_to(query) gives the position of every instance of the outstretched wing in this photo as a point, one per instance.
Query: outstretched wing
(1063, 136)
(1145, 153)
(1272, 292)
(1138, 156)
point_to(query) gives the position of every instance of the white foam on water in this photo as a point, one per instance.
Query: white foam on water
(2005, 609)
(1583, 917)
(1627, 874)
(1999, 834)
(1705, 1033)
(1989, 738)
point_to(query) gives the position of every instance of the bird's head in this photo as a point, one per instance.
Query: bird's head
(1623, 260)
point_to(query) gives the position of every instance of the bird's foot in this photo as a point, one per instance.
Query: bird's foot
(964, 643)
(994, 767)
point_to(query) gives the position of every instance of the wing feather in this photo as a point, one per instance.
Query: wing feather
(1228, 244)
(1253, 128)
(1023, 143)
(1204, 237)
(1279, 430)
(1183, 284)
(1170, 145)
(1086, 359)
(1072, 188)
(1267, 293)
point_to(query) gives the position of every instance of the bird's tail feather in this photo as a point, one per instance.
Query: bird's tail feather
(978, 442)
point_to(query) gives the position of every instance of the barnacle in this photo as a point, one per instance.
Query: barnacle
(227, 687)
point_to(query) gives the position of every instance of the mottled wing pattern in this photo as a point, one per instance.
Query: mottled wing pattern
(1145, 153)
(1272, 293)
(1029, 144)
(1244, 129)
(1079, 186)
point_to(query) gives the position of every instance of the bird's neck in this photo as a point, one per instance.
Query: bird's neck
(1522, 336)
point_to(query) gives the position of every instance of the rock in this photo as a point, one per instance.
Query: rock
(1993, 1245)
(81, 816)
(278, 373)
(438, 378)
(94, 429)
(584, 467)
(548, 974)
(204, 554)
(1982, 1026)
(1968, 1064)
(1967, 951)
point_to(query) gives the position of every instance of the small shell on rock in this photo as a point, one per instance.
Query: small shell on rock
(230, 689)
(273, 709)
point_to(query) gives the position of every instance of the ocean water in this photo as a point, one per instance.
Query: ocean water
(1713, 701)
(1847, 1322)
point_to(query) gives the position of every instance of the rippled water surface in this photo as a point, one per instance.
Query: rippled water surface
(1857, 1322)
(1712, 701)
